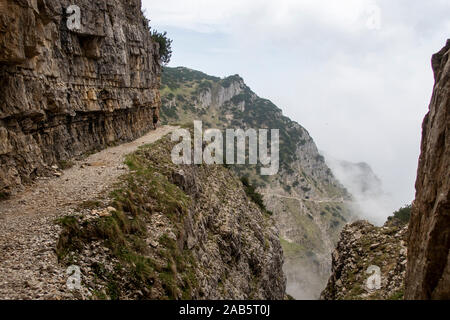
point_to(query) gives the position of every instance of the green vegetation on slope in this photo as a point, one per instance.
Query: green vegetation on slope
(146, 240)
(175, 78)
(181, 87)
(254, 195)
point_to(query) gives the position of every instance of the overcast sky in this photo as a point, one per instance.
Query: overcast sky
(355, 73)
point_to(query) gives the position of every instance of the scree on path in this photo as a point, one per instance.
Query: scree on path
(28, 233)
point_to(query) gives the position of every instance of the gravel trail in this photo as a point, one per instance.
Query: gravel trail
(28, 264)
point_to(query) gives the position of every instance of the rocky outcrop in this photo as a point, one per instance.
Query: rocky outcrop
(177, 232)
(428, 273)
(66, 92)
(369, 262)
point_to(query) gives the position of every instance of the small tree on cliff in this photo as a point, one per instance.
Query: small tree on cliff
(165, 45)
(403, 214)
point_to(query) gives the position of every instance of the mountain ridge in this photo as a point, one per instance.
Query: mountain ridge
(309, 204)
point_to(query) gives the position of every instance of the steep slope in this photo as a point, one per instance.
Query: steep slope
(363, 253)
(66, 92)
(308, 203)
(29, 267)
(174, 231)
(428, 273)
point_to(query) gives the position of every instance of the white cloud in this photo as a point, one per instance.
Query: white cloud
(224, 16)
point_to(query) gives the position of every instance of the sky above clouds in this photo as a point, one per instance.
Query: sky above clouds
(355, 73)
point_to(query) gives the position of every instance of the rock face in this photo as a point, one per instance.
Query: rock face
(428, 273)
(363, 253)
(309, 205)
(64, 93)
(177, 232)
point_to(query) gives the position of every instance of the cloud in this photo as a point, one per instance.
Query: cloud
(355, 73)
(370, 200)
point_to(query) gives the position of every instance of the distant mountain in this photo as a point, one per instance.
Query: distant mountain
(370, 200)
(308, 203)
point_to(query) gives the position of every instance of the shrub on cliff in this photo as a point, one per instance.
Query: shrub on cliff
(254, 195)
(165, 45)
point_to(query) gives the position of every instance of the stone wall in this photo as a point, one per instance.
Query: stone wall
(369, 262)
(64, 93)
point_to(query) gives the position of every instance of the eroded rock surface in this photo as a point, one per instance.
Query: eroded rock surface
(63, 92)
(365, 253)
(428, 274)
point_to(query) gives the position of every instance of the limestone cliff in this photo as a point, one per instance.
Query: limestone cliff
(64, 93)
(428, 272)
(174, 232)
(369, 197)
(309, 205)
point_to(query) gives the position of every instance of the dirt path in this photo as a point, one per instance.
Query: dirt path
(28, 234)
(340, 200)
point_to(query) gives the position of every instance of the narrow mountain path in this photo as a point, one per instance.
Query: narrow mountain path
(28, 264)
(340, 200)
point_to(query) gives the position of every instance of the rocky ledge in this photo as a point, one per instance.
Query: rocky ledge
(174, 232)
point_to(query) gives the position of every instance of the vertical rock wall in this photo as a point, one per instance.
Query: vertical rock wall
(428, 271)
(63, 92)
